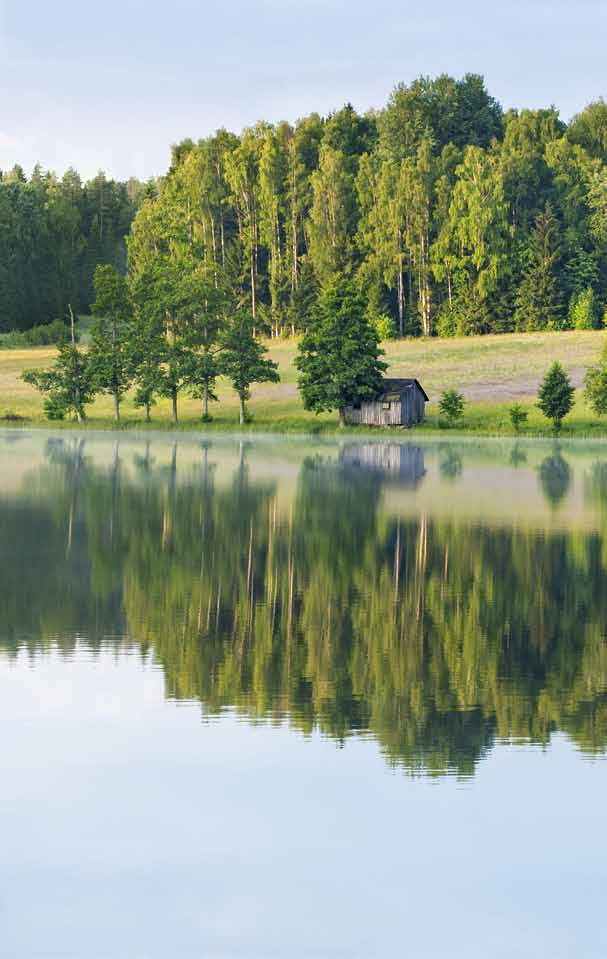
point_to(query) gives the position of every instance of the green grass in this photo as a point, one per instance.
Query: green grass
(493, 372)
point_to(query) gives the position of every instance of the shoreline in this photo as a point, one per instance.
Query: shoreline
(297, 430)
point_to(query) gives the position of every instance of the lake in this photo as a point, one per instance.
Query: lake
(302, 698)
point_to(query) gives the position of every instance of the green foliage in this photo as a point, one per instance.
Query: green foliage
(451, 408)
(518, 417)
(109, 355)
(384, 326)
(243, 358)
(54, 233)
(595, 383)
(538, 300)
(203, 309)
(451, 217)
(338, 358)
(68, 383)
(556, 395)
(51, 334)
(583, 311)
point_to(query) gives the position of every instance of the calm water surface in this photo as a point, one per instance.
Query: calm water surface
(271, 698)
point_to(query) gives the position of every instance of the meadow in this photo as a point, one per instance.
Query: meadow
(492, 372)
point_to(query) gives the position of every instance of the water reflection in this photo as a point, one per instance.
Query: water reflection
(402, 463)
(450, 463)
(555, 477)
(300, 595)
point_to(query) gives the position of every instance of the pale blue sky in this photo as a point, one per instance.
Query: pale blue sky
(111, 85)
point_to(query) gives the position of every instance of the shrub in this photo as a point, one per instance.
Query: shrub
(50, 334)
(384, 326)
(451, 408)
(518, 417)
(595, 382)
(583, 311)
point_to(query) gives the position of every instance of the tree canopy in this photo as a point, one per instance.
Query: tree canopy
(451, 215)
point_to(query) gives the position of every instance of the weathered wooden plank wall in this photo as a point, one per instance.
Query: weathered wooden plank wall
(408, 411)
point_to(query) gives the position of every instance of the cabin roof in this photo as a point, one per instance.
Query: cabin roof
(398, 384)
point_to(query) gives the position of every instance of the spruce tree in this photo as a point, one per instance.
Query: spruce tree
(339, 355)
(538, 303)
(556, 395)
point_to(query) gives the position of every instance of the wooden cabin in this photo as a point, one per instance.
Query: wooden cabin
(401, 403)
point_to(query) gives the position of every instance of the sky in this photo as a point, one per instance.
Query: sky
(110, 86)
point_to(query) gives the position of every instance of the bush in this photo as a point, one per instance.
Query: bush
(518, 417)
(54, 407)
(451, 409)
(384, 326)
(50, 334)
(595, 382)
(583, 311)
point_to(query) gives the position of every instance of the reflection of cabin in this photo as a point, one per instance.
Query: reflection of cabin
(401, 402)
(400, 463)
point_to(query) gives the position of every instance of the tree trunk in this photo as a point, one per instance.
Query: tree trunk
(174, 405)
(116, 407)
(401, 303)
(147, 413)
(205, 402)
(253, 291)
(242, 411)
(342, 417)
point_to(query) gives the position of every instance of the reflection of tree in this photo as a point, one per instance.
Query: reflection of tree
(596, 485)
(45, 559)
(555, 477)
(518, 455)
(436, 637)
(450, 462)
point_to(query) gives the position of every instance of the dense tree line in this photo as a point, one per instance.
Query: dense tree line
(452, 216)
(53, 233)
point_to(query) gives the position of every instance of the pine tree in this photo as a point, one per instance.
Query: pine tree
(538, 303)
(556, 395)
(339, 355)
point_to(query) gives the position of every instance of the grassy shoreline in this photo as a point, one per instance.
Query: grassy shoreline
(492, 372)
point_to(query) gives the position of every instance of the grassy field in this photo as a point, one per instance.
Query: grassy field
(491, 371)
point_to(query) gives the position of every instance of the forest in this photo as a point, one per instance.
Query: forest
(452, 215)
(53, 233)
